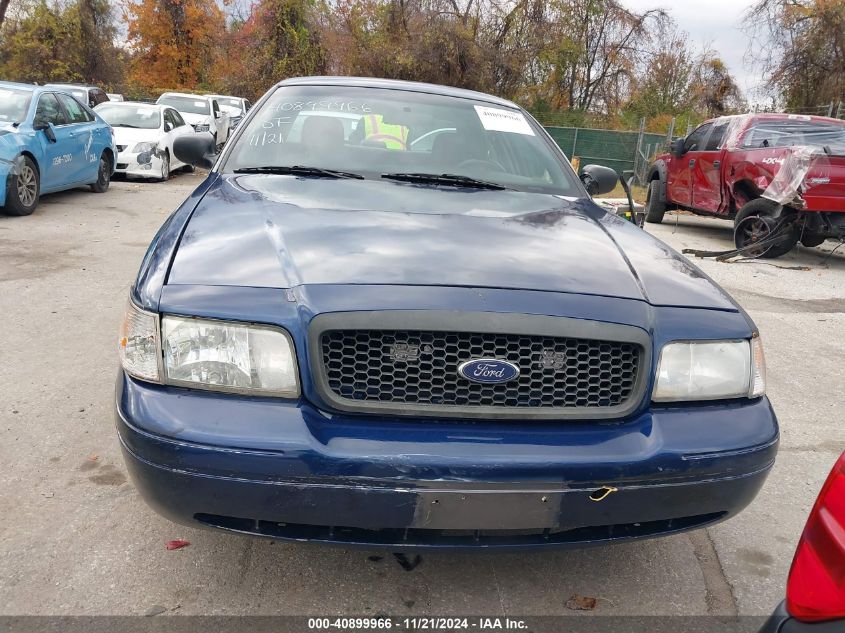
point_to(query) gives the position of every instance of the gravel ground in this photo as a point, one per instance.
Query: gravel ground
(77, 539)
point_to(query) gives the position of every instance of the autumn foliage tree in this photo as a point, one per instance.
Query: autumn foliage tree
(70, 41)
(575, 62)
(279, 39)
(175, 43)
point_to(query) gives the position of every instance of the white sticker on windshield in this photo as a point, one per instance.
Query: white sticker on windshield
(499, 120)
(200, 104)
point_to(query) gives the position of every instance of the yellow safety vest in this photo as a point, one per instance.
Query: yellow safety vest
(394, 136)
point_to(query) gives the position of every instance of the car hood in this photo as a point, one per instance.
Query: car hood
(284, 231)
(193, 119)
(130, 136)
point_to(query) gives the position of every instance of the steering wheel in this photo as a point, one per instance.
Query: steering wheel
(479, 164)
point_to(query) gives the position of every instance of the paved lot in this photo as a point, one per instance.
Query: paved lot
(75, 538)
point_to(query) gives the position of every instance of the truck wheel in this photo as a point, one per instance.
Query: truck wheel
(754, 222)
(22, 188)
(654, 207)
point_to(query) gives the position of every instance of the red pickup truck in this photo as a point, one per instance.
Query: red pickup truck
(780, 177)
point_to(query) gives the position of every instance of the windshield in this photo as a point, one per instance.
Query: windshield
(792, 132)
(191, 105)
(231, 102)
(79, 93)
(143, 117)
(13, 104)
(376, 132)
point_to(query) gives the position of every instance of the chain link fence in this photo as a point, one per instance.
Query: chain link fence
(619, 150)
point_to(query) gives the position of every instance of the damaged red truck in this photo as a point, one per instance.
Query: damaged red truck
(780, 177)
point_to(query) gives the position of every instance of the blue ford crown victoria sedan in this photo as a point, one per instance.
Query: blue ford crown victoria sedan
(49, 142)
(392, 316)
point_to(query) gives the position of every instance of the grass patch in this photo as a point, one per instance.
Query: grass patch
(618, 192)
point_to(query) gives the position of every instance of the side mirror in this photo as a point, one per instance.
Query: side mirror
(168, 126)
(677, 147)
(47, 128)
(598, 179)
(196, 149)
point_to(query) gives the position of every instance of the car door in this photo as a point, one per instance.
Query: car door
(57, 166)
(82, 128)
(221, 122)
(679, 171)
(706, 177)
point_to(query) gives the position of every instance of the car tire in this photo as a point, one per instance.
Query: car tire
(165, 167)
(754, 222)
(655, 208)
(101, 185)
(23, 188)
(189, 169)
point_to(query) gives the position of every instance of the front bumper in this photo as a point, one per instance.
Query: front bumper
(287, 470)
(5, 173)
(781, 622)
(144, 164)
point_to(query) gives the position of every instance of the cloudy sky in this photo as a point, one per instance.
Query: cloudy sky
(717, 24)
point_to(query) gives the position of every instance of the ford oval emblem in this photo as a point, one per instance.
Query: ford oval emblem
(488, 370)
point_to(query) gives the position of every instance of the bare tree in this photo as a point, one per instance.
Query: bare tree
(800, 46)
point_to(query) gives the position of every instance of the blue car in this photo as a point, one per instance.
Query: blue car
(345, 337)
(49, 142)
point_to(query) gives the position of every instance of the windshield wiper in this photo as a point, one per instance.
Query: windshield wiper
(134, 127)
(298, 170)
(454, 180)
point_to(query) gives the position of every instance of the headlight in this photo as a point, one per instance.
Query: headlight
(202, 127)
(710, 370)
(138, 344)
(144, 147)
(228, 356)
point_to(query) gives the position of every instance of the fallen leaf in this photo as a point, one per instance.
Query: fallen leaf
(93, 457)
(177, 544)
(581, 603)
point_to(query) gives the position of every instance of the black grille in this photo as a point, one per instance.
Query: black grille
(421, 368)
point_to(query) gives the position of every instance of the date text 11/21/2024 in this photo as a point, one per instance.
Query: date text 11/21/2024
(426, 623)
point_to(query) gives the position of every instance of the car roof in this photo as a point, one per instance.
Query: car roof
(396, 84)
(82, 86)
(137, 104)
(20, 86)
(783, 116)
(183, 94)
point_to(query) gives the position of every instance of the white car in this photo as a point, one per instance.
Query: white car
(236, 107)
(144, 135)
(201, 112)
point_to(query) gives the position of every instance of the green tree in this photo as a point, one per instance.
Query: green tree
(39, 46)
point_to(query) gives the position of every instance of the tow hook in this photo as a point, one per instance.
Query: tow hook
(602, 493)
